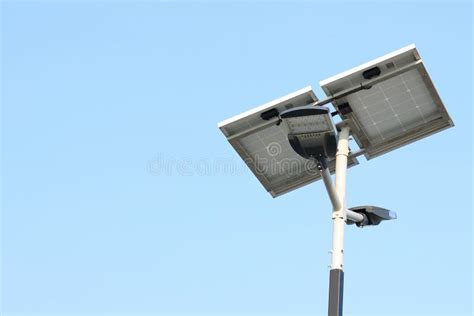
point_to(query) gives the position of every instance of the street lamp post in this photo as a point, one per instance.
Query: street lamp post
(312, 135)
(336, 277)
(396, 85)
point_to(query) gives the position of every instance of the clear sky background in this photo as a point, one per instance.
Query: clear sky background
(110, 200)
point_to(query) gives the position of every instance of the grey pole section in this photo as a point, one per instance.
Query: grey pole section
(336, 275)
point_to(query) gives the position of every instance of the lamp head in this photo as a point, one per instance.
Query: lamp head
(311, 132)
(373, 215)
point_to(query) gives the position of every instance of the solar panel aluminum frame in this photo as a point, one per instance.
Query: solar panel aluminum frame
(235, 130)
(412, 61)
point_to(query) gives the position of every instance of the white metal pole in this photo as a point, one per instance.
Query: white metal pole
(339, 216)
(334, 197)
(336, 276)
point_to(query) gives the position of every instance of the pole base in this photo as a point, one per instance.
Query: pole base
(336, 288)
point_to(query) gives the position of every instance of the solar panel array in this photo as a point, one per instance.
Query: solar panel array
(393, 112)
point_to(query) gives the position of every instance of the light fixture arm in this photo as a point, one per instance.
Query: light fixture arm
(334, 197)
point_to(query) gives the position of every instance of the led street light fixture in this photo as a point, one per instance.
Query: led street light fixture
(308, 119)
(384, 104)
(373, 215)
(311, 132)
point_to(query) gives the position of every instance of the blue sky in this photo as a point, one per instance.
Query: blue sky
(111, 205)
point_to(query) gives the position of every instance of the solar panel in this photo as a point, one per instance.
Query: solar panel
(264, 147)
(393, 112)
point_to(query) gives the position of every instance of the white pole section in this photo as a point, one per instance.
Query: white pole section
(336, 275)
(339, 216)
(334, 197)
(335, 200)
